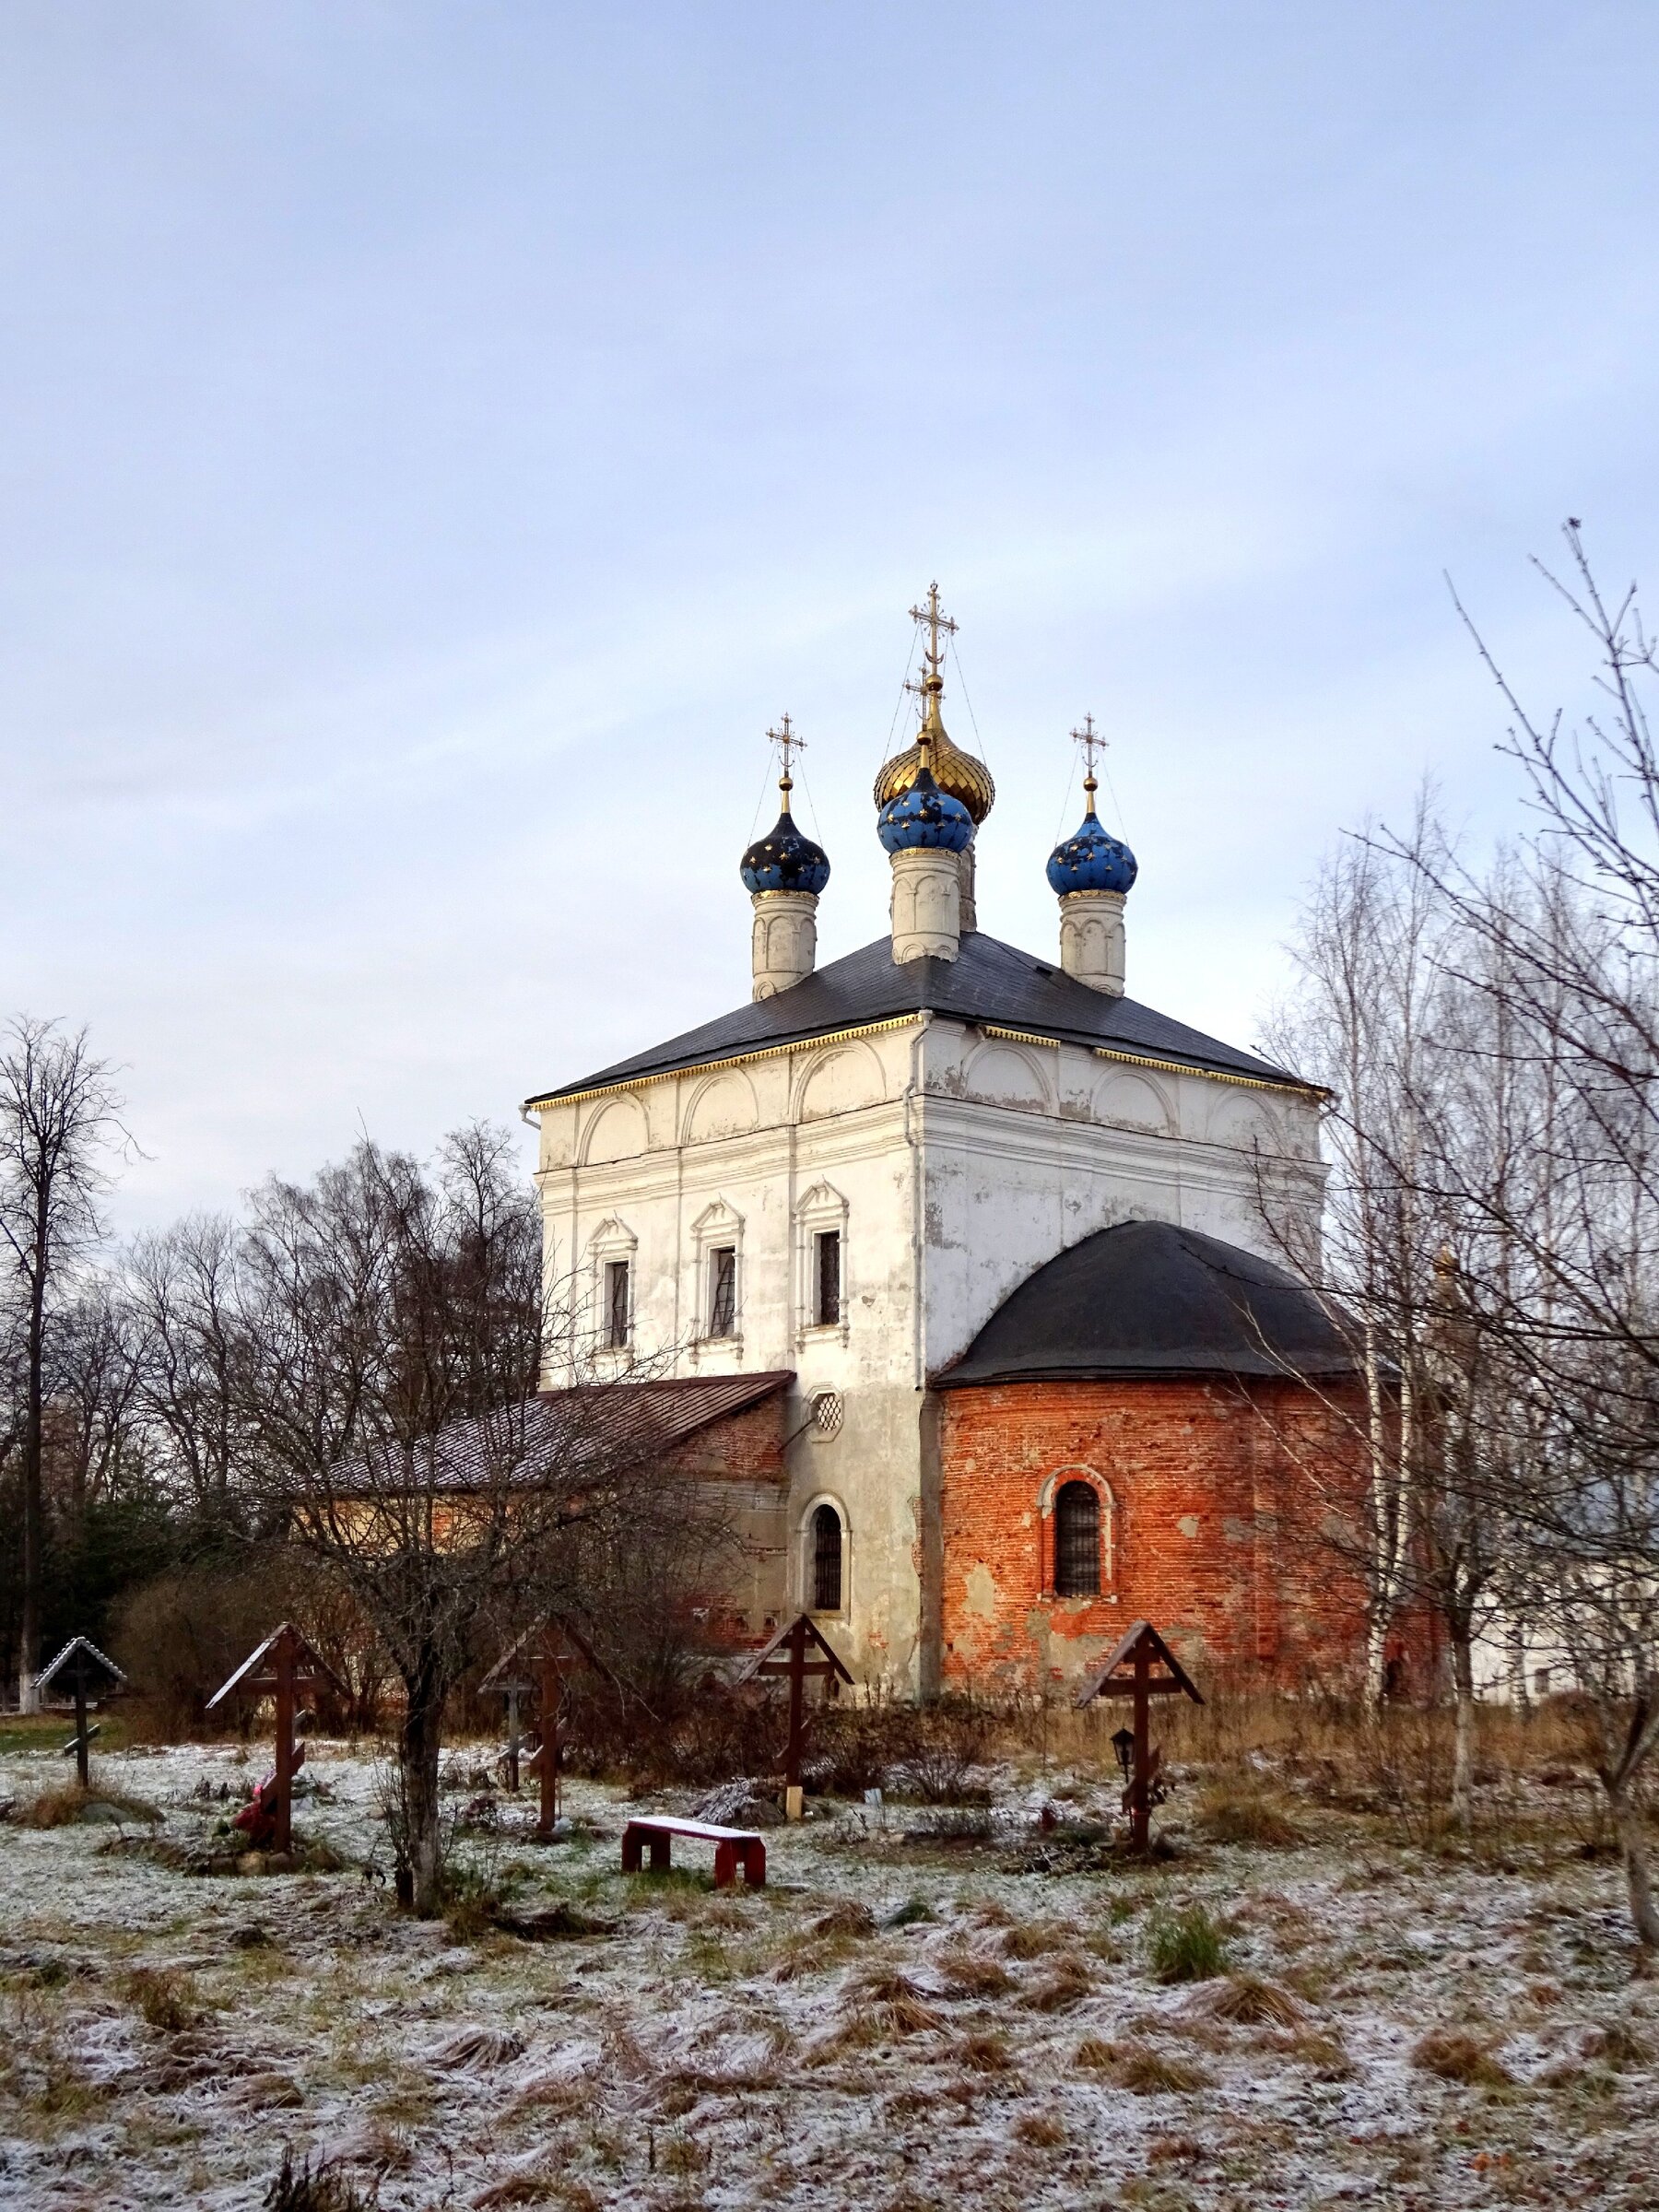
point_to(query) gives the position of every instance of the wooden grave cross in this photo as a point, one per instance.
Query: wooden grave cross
(786, 1654)
(84, 1668)
(1141, 1650)
(283, 1663)
(541, 1658)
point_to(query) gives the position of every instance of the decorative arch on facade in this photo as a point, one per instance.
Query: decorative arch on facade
(724, 1104)
(615, 1130)
(840, 1080)
(1243, 1121)
(1132, 1100)
(1009, 1074)
(824, 1547)
(1051, 1503)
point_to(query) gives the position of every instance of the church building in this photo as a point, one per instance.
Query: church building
(951, 1260)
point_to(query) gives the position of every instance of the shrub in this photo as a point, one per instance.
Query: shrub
(1185, 1945)
(166, 1998)
(952, 1742)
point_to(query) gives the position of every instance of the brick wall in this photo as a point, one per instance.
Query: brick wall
(742, 1458)
(1214, 1496)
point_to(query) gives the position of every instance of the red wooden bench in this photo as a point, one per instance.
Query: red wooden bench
(733, 1846)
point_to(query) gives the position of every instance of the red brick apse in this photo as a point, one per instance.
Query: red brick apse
(1205, 1401)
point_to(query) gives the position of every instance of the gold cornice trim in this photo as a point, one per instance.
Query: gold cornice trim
(1210, 1074)
(989, 1028)
(766, 1052)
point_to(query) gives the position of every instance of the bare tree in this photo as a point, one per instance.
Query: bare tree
(1557, 1198)
(183, 1290)
(59, 1127)
(388, 1341)
(1429, 1109)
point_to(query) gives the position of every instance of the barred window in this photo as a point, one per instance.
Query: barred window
(616, 1301)
(723, 1290)
(1078, 1541)
(827, 1283)
(826, 1561)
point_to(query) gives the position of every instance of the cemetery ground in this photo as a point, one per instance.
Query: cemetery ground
(1314, 1995)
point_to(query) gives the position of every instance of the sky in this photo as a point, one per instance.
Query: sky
(437, 441)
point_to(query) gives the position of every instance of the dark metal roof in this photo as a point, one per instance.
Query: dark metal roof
(551, 1436)
(988, 981)
(1146, 1298)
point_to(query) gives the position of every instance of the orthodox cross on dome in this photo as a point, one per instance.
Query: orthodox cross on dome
(931, 618)
(1092, 744)
(934, 621)
(788, 746)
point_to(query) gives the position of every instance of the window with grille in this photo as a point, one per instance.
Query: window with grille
(616, 1301)
(723, 1290)
(826, 1282)
(1078, 1541)
(826, 1561)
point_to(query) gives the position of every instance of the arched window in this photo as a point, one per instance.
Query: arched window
(1078, 1540)
(826, 1561)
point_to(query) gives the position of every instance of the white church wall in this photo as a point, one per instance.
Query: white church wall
(953, 1164)
(1030, 1148)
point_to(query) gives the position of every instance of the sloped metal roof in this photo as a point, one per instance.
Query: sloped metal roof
(987, 983)
(549, 1437)
(1145, 1300)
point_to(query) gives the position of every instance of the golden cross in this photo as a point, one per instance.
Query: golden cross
(788, 745)
(935, 622)
(1090, 742)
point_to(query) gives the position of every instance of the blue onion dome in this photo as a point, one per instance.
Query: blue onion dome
(923, 816)
(784, 860)
(1093, 859)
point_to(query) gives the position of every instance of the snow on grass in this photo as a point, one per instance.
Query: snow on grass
(890, 2024)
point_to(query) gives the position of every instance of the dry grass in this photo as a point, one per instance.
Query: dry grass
(1450, 2056)
(848, 1918)
(1619, 2048)
(1229, 1813)
(968, 1973)
(64, 1806)
(531, 2187)
(1030, 1939)
(985, 2054)
(478, 2047)
(1066, 1982)
(1324, 2055)
(1139, 2067)
(1043, 2131)
(891, 1999)
(1246, 2001)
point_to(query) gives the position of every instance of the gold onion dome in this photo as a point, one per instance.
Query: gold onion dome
(954, 770)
